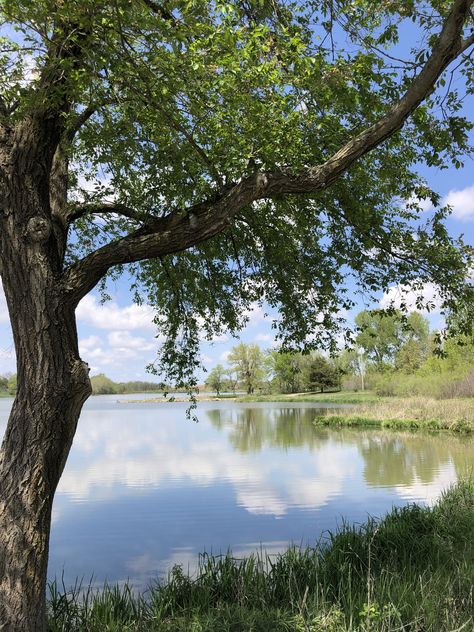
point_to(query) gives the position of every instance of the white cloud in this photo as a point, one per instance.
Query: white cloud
(122, 340)
(215, 338)
(224, 357)
(255, 314)
(264, 338)
(424, 204)
(403, 294)
(89, 344)
(121, 346)
(462, 203)
(111, 316)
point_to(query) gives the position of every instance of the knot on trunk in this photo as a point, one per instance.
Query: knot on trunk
(38, 229)
(80, 372)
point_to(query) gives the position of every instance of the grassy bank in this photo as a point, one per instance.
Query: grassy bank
(410, 413)
(412, 571)
(340, 397)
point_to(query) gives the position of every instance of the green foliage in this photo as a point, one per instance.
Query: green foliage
(322, 374)
(379, 335)
(102, 385)
(4, 383)
(391, 339)
(215, 379)
(447, 376)
(190, 98)
(12, 384)
(411, 570)
(287, 371)
(248, 362)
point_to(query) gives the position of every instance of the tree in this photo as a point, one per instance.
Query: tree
(416, 346)
(248, 362)
(232, 379)
(287, 369)
(322, 374)
(103, 385)
(215, 379)
(3, 383)
(353, 362)
(380, 336)
(12, 384)
(390, 339)
(231, 140)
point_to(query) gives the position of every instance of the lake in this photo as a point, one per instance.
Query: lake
(145, 488)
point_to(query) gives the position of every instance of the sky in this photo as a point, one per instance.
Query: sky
(118, 338)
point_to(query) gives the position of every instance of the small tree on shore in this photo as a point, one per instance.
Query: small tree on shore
(216, 378)
(248, 362)
(322, 374)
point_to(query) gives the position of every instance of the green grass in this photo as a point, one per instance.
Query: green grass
(340, 397)
(411, 571)
(413, 413)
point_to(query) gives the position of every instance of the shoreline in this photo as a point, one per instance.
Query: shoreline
(361, 410)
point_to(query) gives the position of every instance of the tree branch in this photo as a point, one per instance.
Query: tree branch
(81, 119)
(179, 231)
(158, 9)
(53, 101)
(3, 107)
(467, 43)
(82, 210)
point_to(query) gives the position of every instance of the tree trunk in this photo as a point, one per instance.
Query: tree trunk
(53, 384)
(34, 451)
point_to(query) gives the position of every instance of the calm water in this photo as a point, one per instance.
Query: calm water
(145, 488)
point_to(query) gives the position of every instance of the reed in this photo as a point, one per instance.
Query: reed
(412, 413)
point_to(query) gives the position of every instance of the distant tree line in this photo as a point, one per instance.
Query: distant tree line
(250, 369)
(103, 385)
(7, 384)
(392, 353)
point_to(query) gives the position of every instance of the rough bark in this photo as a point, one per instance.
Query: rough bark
(53, 383)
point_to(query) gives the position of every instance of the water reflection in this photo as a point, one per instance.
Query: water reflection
(251, 429)
(145, 488)
(390, 458)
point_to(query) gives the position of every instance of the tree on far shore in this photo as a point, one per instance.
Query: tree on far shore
(248, 361)
(215, 379)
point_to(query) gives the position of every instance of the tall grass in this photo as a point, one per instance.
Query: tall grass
(413, 571)
(415, 412)
(339, 397)
(439, 385)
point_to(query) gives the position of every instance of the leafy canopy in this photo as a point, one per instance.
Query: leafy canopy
(170, 105)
